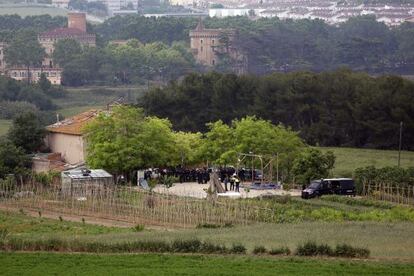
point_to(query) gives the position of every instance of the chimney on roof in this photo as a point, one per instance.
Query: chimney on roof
(77, 21)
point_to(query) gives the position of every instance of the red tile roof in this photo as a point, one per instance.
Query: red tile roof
(74, 125)
(66, 32)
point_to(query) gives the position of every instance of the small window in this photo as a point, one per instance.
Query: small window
(212, 42)
(213, 62)
(201, 49)
(201, 41)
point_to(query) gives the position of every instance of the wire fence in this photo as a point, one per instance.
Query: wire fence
(385, 191)
(134, 206)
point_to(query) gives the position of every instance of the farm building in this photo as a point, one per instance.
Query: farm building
(84, 182)
(65, 137)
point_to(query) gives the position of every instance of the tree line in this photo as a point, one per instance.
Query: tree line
(338, 108)
(271, 44)
(133, 62)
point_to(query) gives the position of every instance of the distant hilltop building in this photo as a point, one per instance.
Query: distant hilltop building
(76, 30)
(210, 45)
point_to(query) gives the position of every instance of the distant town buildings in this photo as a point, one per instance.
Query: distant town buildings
(332, 12)
(61, 3)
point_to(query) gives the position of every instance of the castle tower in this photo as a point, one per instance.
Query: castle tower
(77, 21)
(204, 43)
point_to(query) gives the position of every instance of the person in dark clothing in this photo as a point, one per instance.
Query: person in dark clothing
(237, 182)
(226, 180)
(231, 183)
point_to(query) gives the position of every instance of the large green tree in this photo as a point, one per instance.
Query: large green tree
(25, 50)
(66, 50)
(27, 132)
(312, 164)
(123, 140)
(13, 160)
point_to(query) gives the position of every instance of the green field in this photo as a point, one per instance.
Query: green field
(27, 10)
(348, 159)
(23, 225)
(386, 240)
(155, 264)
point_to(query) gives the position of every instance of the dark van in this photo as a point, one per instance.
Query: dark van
(333, 186)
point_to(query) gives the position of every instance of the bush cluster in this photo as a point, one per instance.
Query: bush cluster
(358, 202)
(343, 250)
(214, 226)
(177, 246)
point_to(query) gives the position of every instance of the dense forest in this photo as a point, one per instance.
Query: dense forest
(339, 108)
(270, 44)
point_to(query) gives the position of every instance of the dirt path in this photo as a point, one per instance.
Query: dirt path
(75, 218)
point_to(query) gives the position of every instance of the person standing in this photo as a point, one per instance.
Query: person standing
(232, 183)
(226, 180)
(237, 182)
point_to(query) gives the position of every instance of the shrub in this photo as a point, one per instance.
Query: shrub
(312, 249)
(208, 225)
(139, 228)
(186, 246)
(259, 250)
(345, 250)
(237, 249)
(209, 248)
(280, 251)
(213, 226)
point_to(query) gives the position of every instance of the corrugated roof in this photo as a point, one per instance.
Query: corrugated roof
(81, 174)
(74, 125)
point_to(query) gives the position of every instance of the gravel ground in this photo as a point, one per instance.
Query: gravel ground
(193, 189)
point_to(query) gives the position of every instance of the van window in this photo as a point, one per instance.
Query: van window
(326, 185)
(347, 184)
(336, 185)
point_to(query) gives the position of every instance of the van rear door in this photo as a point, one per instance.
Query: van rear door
(347, 187)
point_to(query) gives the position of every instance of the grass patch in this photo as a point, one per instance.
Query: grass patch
(348, 159)
(23, 225)
(157, 264)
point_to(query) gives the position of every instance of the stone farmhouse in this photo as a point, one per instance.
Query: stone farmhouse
(66, 138)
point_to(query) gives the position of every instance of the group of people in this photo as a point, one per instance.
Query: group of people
(228, 176)
(199, 175)
(234, 182)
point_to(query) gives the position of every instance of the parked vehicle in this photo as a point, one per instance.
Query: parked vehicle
(332, 186)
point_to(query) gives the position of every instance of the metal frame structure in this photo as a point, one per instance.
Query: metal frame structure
(266, 162)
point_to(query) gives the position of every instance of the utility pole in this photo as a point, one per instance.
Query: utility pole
(399, 146)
